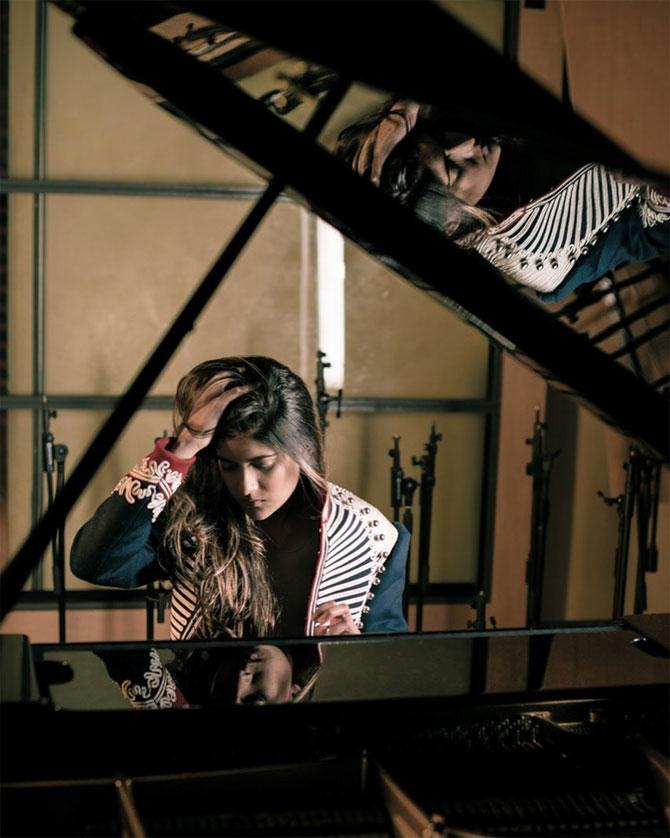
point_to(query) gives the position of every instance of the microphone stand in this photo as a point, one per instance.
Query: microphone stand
(48, 466)
(60, 455)
(647, 514)
(625, 505)
(397, 475)
(402, 495)
(323, 399)
(539, 468)
(479, 605)
(641, 495)
(427, 465)
(55, 453)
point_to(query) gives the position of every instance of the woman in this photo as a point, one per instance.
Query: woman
(236, 511)
(543, 222)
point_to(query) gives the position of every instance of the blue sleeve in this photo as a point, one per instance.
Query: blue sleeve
(118, 546)
(385, 614)
(627, 240)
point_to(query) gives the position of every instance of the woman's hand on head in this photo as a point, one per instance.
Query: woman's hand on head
(380, 142)
(334, 618)
(198, 428)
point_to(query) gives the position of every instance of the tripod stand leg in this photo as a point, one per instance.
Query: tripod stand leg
(59, 557)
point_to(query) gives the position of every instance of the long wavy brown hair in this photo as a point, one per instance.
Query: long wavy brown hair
(405, 177)
(208, 538)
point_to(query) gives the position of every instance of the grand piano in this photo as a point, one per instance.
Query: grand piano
(542, 731)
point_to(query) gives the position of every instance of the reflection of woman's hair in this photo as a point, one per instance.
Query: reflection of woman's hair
(406, 178)
(208, 537)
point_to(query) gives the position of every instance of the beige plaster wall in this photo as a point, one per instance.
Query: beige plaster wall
(85, 626)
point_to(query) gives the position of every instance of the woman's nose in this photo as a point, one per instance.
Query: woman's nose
(249, 482)
(243, 686)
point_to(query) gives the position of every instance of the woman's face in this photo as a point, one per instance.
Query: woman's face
(463, 166)
(267, 678)
(257, 476)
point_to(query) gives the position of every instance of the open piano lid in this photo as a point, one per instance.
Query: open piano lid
(364, 48)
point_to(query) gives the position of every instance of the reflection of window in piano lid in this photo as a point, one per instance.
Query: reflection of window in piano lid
(289, 86)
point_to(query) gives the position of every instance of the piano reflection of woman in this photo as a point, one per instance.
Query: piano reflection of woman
(232, 674)
(540, 222)
(236, 512)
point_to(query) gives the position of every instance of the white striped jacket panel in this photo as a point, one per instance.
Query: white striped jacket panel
(538, 245)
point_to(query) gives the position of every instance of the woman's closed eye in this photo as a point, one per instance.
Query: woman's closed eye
(263, 464)
(454, 171)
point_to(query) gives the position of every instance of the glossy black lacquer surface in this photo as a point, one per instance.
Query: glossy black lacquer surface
(458, 667)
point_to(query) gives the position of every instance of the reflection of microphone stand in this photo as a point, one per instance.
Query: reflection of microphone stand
(310, 83)
(539, 468)
(323, 399)
(427, 464)
(53, 452)
(402, 494)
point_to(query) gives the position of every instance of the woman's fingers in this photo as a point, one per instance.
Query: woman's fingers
(380, 142)
(331, 609)
(205, 417)
(198, 428)
(216, 391)
(333, 618)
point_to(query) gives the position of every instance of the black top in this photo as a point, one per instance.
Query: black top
(291, 537)
(524, 172)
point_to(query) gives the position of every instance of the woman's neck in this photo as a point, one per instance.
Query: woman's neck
(289, 519)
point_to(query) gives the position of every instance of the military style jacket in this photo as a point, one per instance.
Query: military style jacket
(361, 559)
